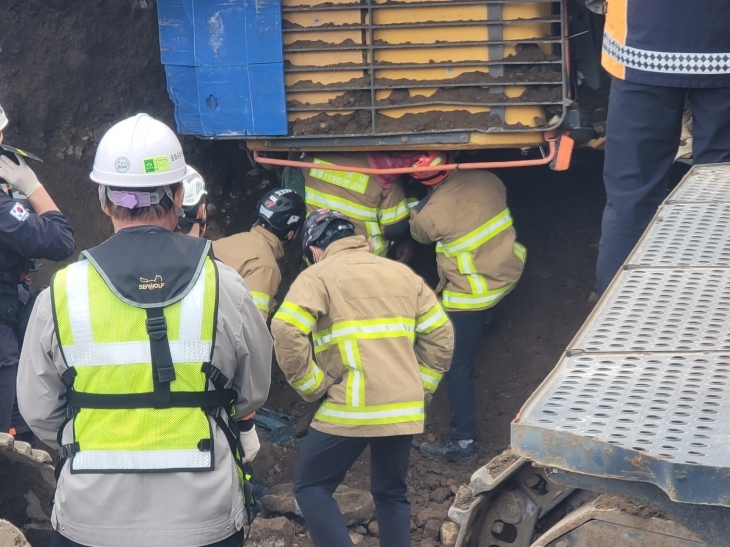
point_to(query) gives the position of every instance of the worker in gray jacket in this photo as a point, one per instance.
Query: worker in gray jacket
(143, 362)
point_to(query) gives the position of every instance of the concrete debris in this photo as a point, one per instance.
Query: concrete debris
(373, 528)
(10, 536)
(449, 533)
(276, 532)
(356, 538)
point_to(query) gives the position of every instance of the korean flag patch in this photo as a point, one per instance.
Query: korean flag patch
(19, 212)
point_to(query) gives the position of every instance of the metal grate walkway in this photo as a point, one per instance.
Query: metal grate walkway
(643, 391)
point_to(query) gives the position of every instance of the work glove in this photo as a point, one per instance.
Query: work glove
(250, 443)
(20, 177)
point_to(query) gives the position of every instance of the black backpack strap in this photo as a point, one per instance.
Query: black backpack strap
(163, 370)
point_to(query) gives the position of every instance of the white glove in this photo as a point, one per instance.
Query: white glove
(250, 443)
(20, 177)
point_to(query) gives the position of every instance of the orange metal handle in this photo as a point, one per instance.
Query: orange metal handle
(401, 170)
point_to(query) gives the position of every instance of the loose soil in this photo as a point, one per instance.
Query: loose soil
(71, 69)
(519, 74)
(458, 95)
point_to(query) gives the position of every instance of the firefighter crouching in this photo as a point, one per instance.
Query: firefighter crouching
(479, 262)
(254, 254)
(24, 235)
(376, 206)
(139, 361)
(380, 345)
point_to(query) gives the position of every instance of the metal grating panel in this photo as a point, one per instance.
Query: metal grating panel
(643, 393)
(686, 234)
(655, 418)
(704, 183)
(662, 310)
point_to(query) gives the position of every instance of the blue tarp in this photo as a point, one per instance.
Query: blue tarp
(224, 66)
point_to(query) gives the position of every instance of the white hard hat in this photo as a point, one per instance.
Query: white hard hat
(194, 188)
(139, 152)
(3, 119)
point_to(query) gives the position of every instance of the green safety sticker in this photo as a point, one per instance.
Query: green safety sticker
(357, 182)
(156, 165)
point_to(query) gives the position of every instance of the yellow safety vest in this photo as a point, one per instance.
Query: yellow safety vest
(126, 418)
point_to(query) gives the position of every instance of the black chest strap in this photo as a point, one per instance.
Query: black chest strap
(163, 371)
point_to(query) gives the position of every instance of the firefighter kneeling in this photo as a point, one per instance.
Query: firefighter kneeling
(380, 344)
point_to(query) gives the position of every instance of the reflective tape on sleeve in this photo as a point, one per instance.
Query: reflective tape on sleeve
(430, 321)
(310, 382)
(391, 215)
(430, 378)
(261, 300)
(296, 316)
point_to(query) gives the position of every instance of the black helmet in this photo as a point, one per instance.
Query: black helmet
(281, 210)
(321, 227)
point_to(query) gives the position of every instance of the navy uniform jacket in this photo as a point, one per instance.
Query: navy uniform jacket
(671, 43)
(23, 236)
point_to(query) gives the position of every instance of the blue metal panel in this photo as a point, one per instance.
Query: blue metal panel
(175, 19)
(224, 66)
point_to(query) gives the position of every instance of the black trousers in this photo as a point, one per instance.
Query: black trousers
(7, 396)
(468, 331)
(236, 540)
(323, 462)
(642, 136)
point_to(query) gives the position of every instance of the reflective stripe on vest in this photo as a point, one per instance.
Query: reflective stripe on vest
(666, 62)
(106, 342)
(373, 415)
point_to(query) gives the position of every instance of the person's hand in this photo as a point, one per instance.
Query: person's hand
(405, 251)
(427, 397)
(250, 443)
(20, 177)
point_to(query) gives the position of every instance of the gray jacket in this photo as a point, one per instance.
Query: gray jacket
(153, 509)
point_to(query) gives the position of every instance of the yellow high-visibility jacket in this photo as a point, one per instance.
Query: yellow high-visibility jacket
(479, 260)
(379, 342)
(359, 197)
(253, 255)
